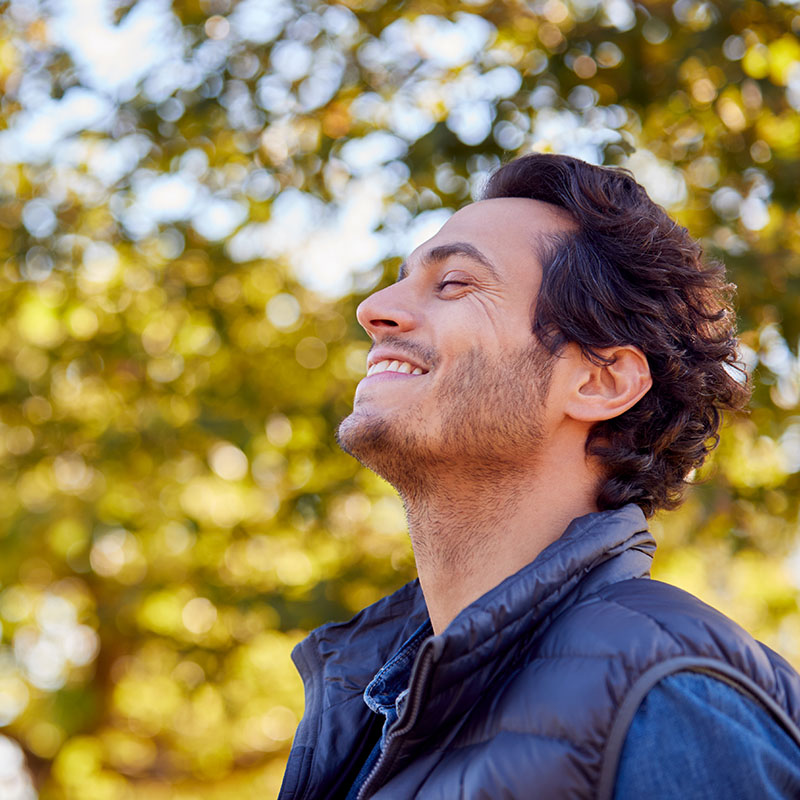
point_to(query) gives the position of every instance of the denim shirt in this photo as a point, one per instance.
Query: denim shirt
(693, 737)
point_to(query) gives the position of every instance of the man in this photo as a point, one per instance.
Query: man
(544, 375)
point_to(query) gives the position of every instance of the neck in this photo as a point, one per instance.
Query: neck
(471, 533)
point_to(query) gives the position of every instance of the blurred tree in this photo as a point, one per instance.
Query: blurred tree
(193, 198)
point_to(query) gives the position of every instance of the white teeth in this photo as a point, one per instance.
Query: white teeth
(402, 367)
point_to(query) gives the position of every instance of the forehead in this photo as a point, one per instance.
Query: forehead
(506, 230)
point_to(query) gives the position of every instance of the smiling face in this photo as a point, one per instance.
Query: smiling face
(454, 374)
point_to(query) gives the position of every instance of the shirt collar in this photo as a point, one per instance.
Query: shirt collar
(386, 691)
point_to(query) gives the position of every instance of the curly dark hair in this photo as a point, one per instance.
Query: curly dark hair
(631, 275)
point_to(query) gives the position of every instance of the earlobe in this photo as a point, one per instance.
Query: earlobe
(607, 390)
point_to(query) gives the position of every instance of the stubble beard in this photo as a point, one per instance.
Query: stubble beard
(490, 428)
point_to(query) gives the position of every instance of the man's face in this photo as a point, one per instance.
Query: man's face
(466, 380)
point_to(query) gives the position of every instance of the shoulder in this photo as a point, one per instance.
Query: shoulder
(648, 621)
(661, 633)
(622, 640)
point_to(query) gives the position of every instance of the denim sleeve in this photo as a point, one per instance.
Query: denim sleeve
(697, 738)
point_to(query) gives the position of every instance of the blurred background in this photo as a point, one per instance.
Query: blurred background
(194, 196)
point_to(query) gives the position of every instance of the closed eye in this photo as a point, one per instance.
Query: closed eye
(444, 284)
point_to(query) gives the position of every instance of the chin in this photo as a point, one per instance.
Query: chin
(388, 449)
(361, 433)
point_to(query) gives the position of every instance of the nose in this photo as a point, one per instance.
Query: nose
(386, 311)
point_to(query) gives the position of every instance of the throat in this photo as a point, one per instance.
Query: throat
(463, 543)
(469, 536)
(453, 529)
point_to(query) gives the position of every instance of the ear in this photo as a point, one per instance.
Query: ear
(605, 391)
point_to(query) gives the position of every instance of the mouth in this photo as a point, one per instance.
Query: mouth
(394, 366)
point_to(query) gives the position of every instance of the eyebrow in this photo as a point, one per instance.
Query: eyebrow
(444, 251)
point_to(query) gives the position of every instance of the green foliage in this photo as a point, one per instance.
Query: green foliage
(178, 282)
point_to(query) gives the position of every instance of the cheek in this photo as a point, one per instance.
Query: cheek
(512, 329)
(481, 320)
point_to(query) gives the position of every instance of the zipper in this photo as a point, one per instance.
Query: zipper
(417, 685)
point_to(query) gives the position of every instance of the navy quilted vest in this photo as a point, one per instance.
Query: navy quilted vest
(530, 691)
